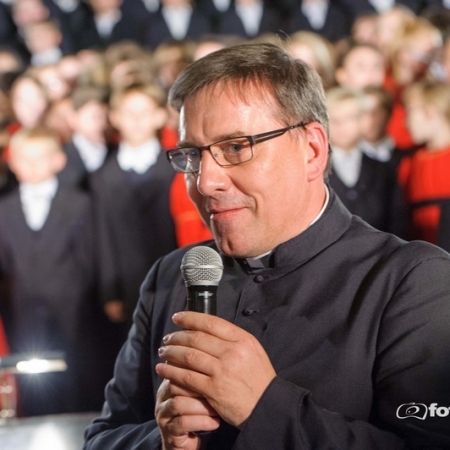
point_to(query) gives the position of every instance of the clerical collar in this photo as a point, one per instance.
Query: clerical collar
(265, 261)
(258, 262)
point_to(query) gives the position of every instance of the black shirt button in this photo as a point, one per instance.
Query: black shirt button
(258, 279)
(249, 311)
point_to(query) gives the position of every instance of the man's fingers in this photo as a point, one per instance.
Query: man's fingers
(174, 390)
(187, 406)
(209, 334)
(190, 379)
(180, 425)
(209, 324)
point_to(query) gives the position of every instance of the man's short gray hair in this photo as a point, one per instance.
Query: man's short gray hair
(296, 87)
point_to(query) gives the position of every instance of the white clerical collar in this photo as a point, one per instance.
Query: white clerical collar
(250, 15)
(327, 198)
(139, 159)
(177, 19)
(257, 263)
(93, 155)
(316, 13)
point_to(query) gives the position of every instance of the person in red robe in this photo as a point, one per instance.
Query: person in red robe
(424, 175)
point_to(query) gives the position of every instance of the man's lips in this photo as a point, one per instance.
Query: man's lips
(224, 213)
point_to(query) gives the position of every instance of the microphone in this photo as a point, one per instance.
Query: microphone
(201, 269)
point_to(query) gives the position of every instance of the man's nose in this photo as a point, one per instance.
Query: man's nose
(211, 176)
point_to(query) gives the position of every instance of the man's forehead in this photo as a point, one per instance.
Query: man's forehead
(234, 93)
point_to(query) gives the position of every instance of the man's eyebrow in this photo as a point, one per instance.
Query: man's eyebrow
(222, 137)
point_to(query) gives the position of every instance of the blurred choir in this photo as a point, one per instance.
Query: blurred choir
(88, 201)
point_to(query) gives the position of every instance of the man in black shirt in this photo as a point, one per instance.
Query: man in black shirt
(329, 333)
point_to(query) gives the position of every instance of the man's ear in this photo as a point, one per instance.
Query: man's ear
(317, 151)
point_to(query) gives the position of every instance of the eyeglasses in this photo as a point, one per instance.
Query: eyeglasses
(226, 153)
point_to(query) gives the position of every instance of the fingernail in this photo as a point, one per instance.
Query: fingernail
(177, 316)
(166, 338)
(161, 350)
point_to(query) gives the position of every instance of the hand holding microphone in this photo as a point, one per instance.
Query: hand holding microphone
(211, 356)
(201, 269)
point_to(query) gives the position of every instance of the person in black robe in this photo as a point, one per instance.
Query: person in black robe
(250, 19)
(131, 194)
(48, 275)
(367, 187)
(87, 150)
(329, 334)
(174, 23)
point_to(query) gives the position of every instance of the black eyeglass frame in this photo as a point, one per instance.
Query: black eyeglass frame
(254, 139)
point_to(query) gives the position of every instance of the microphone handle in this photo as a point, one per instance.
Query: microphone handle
(202, 299)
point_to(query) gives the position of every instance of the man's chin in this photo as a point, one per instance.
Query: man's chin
(235, 249)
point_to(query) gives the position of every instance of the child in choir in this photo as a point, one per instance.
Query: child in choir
(29, 101)
(131, 192)
(45, 41)
(175, 21)
(47, 276)
(362, 65)
(412, 54)
(425, 176)
(87, 150)
(366, 186)
(316, 51)
(378, 103)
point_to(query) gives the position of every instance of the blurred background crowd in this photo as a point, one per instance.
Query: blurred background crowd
(88, 200)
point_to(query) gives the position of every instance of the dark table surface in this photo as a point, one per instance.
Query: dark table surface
(58, 432)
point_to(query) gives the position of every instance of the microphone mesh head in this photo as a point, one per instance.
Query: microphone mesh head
(201, 266)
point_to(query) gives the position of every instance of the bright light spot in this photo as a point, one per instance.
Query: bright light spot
(40, 366)
(48, 437)
(33, 366)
